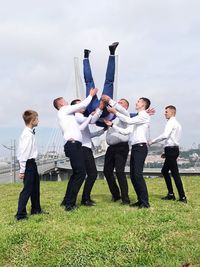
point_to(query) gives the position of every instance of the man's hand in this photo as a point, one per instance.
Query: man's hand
(105, 99)
(93, 91)
(163, 156)
(149, 143)
(21, 175)
(108, 123)
(112, 110)
(151, 111)
(102, 104)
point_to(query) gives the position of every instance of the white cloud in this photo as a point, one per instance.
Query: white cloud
(158, 54)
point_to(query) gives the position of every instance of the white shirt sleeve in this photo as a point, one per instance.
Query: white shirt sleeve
(139, 119)
(125, 131)
(118, 107)
(96, 116)
(166, 134)
(24, 149)
(97, 133)
(73, 108)
(85, 123)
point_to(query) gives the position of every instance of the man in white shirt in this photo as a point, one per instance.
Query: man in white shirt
(171, 136)
(139, 135)
(27, 154)
(117, 153)
(89, 161)
(73, 146)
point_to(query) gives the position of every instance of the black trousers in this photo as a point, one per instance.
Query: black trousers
(73, 150)
(31, 189)
(138, 156)
(170, 164)
(91, 172)
(115, 158)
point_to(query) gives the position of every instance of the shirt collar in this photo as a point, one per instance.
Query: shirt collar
(30, 130)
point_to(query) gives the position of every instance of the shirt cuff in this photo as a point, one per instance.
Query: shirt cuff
(99, 111)
(22, 167)
(112, 102)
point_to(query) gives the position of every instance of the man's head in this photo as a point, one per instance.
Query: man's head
(170, 111)
(124, 103)
(59, 102)
(77, 101)
(143, 103)
(30, 118)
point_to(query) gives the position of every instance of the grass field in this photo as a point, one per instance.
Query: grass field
(108, 235)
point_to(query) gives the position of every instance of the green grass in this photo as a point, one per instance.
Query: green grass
(108, 235)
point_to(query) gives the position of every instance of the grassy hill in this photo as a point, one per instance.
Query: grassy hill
(109, 234)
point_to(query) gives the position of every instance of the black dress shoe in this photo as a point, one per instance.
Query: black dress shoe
(143, 206)
(94, 202)
(63, 203)
(183, 199)
(20, 218)
(113, 47)
(169, 197)
(136, 204)
(114, 199)
(88, 203)
(86, 53)
(39, 212)
(125, 202)
(71, 208)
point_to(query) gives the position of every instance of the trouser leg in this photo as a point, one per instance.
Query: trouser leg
(138, 155)
(74, 152)
(166, 175)
(89, 82)
(120, 163)
(109, 164)
(91, 172)
(171, 158)
(29, 181)
(35, 196)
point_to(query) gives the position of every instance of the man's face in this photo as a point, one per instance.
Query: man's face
(140, 104)
(63, 102)
(123, 103)
(169, 113)
(35, 121)
(82, 110)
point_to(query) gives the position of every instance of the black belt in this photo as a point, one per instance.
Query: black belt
(139, 144)
(120, 144)
(31, 160)
(73, 142)
(172, 147)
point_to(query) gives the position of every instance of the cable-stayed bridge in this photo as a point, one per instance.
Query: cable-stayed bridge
(52, 163)
(58, 168)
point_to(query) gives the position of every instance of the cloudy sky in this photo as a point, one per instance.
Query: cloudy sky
(159, 57)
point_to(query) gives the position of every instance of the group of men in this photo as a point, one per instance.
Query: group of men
(123, 130)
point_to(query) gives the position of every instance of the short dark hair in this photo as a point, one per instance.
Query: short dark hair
(74, 102)
(125, 101)
(171, 107)
(147, 102)
(56, 100)
(29, 115)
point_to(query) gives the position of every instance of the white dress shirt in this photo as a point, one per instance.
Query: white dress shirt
(68, 123)
(114, 137)
(171, 134)
(27, 148)
(86, 134)
(139, 129)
